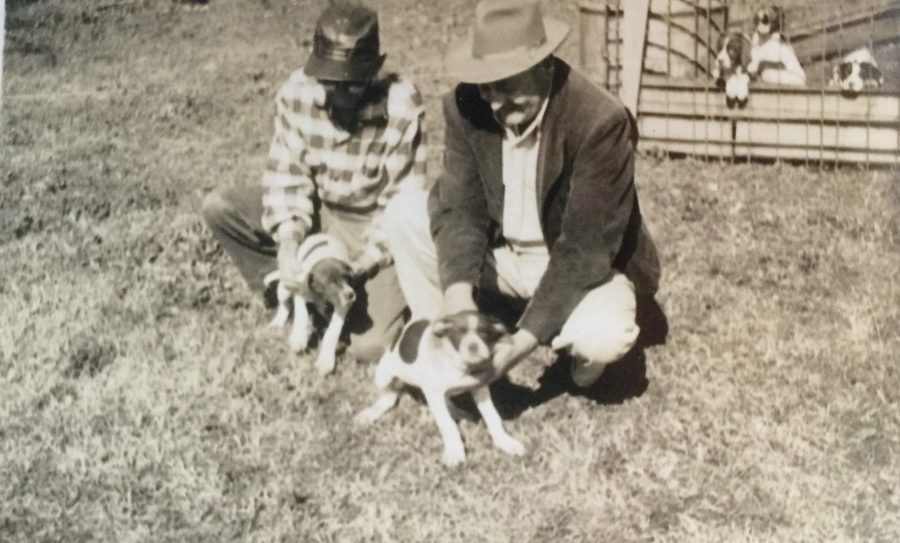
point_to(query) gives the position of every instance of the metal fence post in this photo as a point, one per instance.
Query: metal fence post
(594, 40)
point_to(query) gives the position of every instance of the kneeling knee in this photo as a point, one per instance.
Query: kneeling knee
(605, 346)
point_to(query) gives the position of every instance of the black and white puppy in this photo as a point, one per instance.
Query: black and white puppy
(772, 59)
(327, 279)
(730, 68)
(439, 357)
(857, 71)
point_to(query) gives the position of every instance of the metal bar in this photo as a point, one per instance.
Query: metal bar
(594, 40)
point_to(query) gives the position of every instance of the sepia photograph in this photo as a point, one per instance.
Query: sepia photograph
(450, 271)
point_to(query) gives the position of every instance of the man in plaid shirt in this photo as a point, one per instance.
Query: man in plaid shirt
(347, 138)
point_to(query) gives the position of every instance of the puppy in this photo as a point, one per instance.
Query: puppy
(327, 280)
(772, 59)
(730, 69)
(439, 357)
(857, 71)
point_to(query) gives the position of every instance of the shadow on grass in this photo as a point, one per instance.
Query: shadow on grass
(622, 380)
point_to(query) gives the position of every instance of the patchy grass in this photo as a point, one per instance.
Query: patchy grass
(142, 399)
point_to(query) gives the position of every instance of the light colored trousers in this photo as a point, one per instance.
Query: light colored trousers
(600, 330)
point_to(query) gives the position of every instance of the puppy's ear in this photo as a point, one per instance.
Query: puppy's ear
(870, 72)
(346, 270)
(777, 19)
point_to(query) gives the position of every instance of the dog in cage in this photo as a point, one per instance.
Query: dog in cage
(857, 71)
(772, 59)
(730, 69)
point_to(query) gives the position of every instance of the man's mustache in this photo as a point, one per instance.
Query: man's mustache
(507, 108)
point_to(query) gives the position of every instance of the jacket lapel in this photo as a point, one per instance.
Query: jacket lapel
(550, 157)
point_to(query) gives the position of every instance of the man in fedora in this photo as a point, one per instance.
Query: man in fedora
(536, 201)
(347, 138)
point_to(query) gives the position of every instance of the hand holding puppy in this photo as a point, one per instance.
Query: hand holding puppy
(458, 297)
(289, 235)
(509, 353)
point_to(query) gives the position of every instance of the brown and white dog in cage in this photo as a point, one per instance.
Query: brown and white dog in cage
(857, 71)
(772, 59)
(327, 280)
(439, 358)
(730, 68)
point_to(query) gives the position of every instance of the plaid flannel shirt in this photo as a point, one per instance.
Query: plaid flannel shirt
(311, 157)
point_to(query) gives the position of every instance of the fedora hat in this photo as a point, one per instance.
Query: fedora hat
(509, 36)
(346, 43)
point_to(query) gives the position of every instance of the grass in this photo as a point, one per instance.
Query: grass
(141, 398)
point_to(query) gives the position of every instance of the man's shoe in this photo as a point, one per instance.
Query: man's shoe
(585, 373)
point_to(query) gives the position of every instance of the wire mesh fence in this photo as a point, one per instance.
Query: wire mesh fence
(808, 81)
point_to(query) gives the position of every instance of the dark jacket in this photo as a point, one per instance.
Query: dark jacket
(588, 205)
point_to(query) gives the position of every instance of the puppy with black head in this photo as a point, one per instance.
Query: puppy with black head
(730, 68)
(857, 71)
(440, 358)
(327, 278)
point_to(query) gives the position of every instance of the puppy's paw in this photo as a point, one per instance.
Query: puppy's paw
(510, 445)
(738, 87)
(325, 362)
(280, 318)
(367, 416)
(299, 340)
(453, 456)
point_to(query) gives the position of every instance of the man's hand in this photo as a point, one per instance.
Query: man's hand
(509, 353)
(364, 267)
(457, 297)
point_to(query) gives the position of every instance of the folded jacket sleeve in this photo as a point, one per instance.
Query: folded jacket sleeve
(457, 206)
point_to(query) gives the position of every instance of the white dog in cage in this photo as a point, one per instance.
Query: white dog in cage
(772, 59)
(857, 71)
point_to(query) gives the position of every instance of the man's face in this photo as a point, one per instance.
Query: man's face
(344, 95)
(517, 99)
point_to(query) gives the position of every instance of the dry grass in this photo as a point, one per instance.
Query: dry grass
(141, 399)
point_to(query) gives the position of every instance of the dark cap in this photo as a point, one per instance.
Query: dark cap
(346, 44)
